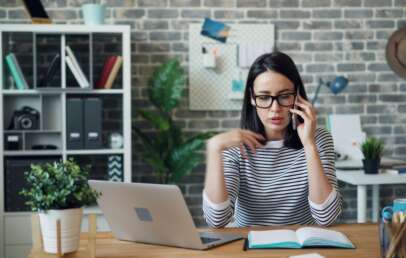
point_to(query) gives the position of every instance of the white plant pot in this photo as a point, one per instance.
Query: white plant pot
(71, 220)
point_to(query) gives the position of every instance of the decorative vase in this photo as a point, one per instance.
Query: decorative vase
(71, 220)
(93, 14)
(371, 166)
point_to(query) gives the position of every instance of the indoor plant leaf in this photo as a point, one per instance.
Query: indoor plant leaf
(168, 151)
(185, 167)
(151, 152)
(184, 158)
(158, 121)
(166, 86)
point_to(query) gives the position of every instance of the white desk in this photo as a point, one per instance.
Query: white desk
(361, 180)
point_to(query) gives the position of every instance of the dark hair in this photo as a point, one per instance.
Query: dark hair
(280, 63)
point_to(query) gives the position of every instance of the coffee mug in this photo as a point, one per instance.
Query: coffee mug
(93, 14)
(399, 205)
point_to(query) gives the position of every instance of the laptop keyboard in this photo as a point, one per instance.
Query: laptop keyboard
(206, 240)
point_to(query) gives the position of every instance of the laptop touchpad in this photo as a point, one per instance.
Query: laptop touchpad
(143, 214)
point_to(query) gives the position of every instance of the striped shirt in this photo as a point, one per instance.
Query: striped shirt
(271, 187)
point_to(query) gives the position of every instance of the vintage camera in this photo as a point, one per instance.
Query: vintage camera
(27, 118)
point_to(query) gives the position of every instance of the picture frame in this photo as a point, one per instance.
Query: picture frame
(36, 11)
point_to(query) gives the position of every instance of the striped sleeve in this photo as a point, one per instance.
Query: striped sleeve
(220, 214)
(327, 212)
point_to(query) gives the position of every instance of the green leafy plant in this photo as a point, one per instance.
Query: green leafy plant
(169, 152)
(58, 185)
(372, 148)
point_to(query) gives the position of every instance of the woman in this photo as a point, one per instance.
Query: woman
(268, 172)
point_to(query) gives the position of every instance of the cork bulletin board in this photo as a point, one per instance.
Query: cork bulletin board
(220, 85)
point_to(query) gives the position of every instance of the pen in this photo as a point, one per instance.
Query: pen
(396, 217)
(245, 245)
(382, 237)
(400, 217)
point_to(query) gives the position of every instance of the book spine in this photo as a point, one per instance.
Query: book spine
(19, 71)
(76, 64)
(75, 72)
(114, 72)
(14, 73)
(47, 77)
(107, 67)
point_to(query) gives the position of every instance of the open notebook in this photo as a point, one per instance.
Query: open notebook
(302, 237)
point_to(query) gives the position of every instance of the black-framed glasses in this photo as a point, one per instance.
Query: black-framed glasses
(266, 101)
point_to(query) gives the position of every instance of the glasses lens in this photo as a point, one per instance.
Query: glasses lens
(286, 99)
(263, 101)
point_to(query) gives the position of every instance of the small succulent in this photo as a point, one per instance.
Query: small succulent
(372, 148)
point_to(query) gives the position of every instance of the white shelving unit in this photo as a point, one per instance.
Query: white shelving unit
(15, 226)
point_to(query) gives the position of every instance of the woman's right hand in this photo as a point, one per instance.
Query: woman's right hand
(236, 137)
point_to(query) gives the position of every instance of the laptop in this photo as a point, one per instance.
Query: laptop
(153, 214)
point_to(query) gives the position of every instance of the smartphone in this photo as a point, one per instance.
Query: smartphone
(294, 116)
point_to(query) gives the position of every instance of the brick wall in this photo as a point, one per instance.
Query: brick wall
(324, 37)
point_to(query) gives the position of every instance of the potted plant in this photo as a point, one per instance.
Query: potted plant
(58, 191)
(372, 149)
(168, 151)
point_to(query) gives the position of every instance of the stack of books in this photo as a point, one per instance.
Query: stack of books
(16, 72)
(111, 66)
(74, 67)
(107, 77)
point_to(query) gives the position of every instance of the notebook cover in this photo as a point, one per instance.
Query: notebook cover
(75, 72)
(114, 72)
(75, 63)
(107, 67)
(15, 71)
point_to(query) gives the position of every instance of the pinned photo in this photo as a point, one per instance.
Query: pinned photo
(216, 30)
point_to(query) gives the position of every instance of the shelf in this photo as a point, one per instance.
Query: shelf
(25, 92)
(33, 153)
(62, 28)
(86, 91)
(35, 46)
(32, 131)
(86, 210)
(95, 152)
(59, 152)
(17, 213)
(60, 90)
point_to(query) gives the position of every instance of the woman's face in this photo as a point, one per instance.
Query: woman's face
(276, 117)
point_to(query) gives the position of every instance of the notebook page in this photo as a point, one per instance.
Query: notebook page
(329, 235)
(272, 236)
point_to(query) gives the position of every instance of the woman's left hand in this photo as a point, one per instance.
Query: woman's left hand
(306, 130)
